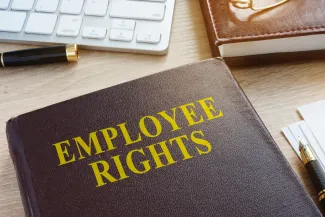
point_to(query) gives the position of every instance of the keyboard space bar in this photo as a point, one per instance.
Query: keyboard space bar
(138, 10)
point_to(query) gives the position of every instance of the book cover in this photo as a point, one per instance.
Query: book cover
(183, 142)
(293, 30)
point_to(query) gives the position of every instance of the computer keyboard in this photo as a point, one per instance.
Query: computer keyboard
(142, 26)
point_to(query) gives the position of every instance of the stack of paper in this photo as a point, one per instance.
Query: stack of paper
(311, 129)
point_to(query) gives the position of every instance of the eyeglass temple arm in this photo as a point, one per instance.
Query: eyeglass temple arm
(244, 4)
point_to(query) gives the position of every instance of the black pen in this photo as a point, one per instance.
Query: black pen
(314, 169)
(63, 53)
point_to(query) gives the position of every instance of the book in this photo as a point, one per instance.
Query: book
(183, 142)
(293, 30)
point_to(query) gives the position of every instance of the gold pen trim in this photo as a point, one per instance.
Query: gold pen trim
(305, 152)
(72, 52)
(306, 155)
(321, 197)
(2, 62)
(321, 192)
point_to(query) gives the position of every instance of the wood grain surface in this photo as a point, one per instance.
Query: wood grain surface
(274, 90)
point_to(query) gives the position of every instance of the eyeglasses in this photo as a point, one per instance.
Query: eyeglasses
(246, 4)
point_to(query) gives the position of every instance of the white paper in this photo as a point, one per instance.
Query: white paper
(300, 130)
(314, 116)
(316, 148)
(292, 140)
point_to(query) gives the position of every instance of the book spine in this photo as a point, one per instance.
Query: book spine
(208, 20)
(17, 153)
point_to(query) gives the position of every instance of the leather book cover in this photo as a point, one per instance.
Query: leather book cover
(227, 24)
(183, 142)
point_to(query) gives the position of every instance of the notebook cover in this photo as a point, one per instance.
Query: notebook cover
(184, 142)
(227, 24)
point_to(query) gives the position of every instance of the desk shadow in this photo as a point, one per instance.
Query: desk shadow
(300, 78)
(34, 70)
(276, 59)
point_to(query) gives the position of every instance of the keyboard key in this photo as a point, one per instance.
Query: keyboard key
(121, 35)
(42, 24)
(71, 6)
(46, 6)
(4, 4)
(151, 38)
(94, 32)
(22, 5)
(138, 10)
(123, 24)
(17, 20)
(69, 26)
(96, 7)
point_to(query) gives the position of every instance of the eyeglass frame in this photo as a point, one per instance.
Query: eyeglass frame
(249, 4)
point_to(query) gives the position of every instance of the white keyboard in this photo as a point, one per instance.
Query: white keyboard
(142, 26)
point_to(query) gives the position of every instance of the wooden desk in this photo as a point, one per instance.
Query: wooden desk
(275, 91)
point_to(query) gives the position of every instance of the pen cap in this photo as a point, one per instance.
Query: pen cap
(68, 53)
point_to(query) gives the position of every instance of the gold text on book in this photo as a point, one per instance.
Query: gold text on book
(125, 149)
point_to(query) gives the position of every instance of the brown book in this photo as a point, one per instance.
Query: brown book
(184, 142)
(291, 31)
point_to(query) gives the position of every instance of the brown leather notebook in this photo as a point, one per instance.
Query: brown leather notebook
(184, 142)
(293, 30)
